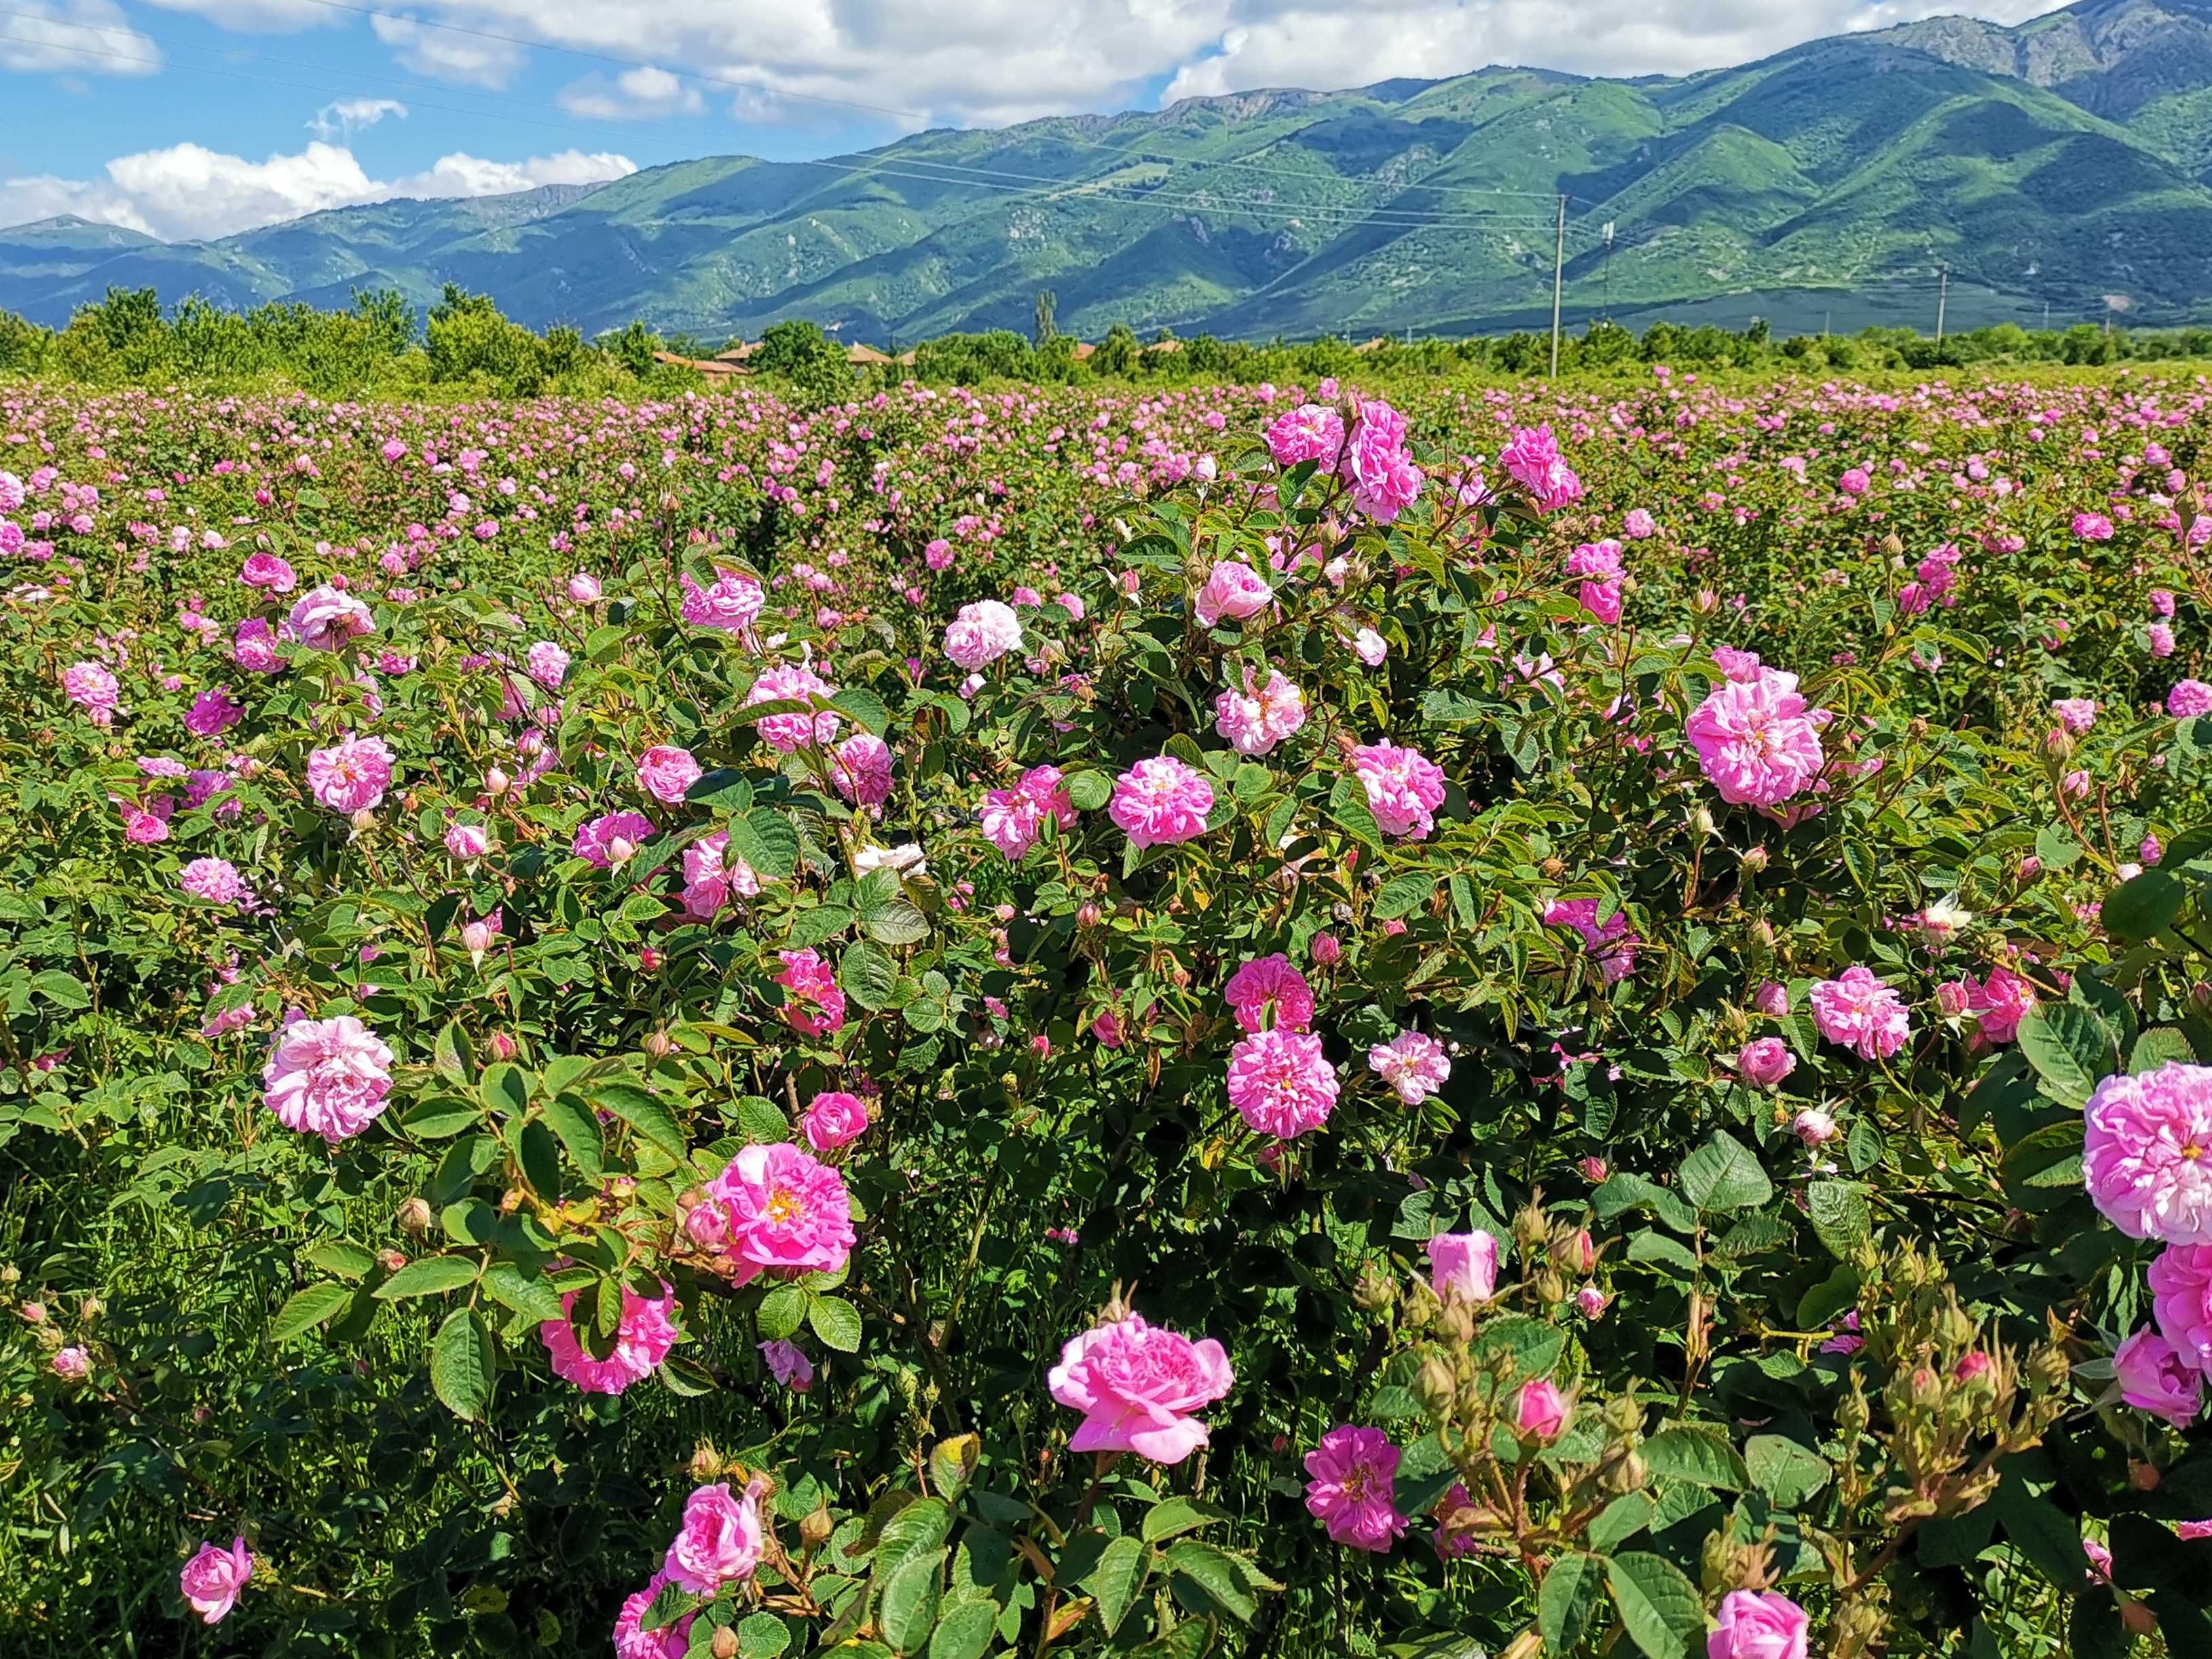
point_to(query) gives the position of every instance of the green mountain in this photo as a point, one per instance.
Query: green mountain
(2062, 167)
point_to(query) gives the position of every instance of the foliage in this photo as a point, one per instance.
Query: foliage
(1845, 1336)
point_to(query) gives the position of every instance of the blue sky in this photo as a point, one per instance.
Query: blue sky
(201, 118)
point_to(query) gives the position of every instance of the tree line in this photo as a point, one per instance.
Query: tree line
(381, 346)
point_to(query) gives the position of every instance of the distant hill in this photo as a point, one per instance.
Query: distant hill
(2053, 164)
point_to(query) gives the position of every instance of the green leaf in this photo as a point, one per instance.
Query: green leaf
(1175, 1516)
(863, 707)
(964, 1629)
(62, 990)
(335, 1255)
(762, 1635)
(868, 974)
(2160, 1046)
(440, 1116)
(524, 1293)
(1115, 1582)
(2069, 1049)
(836, 1322)
(2057, 847)
(505, 1088)
(916, 1530)
(1659, 1608)
(1654, 1248)
(1786, 1472)
(452, 1056)
(1568, 1598)
(1403, 894)
(781, 1312)
(1697, 1454)
(2135, 909)
(1723, 1175)
(433, 1275)
(1218, 1575)
(646, 1115)
(463, 1363)
(768, 841)
(1088, 790)
(1840, 1217)
(1622, 1519)
(896, 922)
(578, 1127)
(907, 1610)
(2039, 1530)
(1348, 808)
(305, 1309)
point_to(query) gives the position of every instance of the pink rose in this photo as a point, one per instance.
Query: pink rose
(2154, 1376)
(1232, 590)
(211, 1580)
(720, 1538)
(1758, 1625)
(1463, 1265)
(1137, 1386)
(1542, 1411)
(835, 1119)
(667, 773)
(1764, 1062)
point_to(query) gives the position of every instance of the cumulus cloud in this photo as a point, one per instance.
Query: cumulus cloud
(1299, 43)
(348, 116)
(188, 192)
(986, 61)
(75, 36)
(917, 63)
(449, 54)
(635, 94)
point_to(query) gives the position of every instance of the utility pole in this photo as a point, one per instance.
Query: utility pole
(1942, 293)
(2046, 316)
(1559, 271)
(1606, 303)
(1826, 318)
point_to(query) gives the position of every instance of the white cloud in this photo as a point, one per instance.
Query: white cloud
(986, 61)
(446, 54)
(189, 192)
(76, 37)
(1298, 43)
(350, 115)
(635, 95)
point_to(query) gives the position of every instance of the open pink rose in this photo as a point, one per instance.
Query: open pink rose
(1137, 1386)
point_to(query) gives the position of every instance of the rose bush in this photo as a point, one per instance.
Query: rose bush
(1250, 1021)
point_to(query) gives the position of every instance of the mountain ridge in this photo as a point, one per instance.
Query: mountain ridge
(2052, 163)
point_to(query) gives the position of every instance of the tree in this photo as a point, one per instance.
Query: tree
(1117, 352)
(1046, 302)
(800, 353)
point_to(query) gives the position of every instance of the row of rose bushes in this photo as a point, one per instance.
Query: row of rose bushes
(630, 941)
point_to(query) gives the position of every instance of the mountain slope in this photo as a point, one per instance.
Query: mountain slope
(2052, 164)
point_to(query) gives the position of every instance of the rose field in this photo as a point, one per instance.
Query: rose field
(1419, 1019)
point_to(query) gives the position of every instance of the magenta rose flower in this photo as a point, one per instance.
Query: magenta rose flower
(1858, 1011)
(2147, 1153)
(1233, 590)
(2155, 1377)
(1404, 788)
(1281, 1083)
(212, 1579)
(1137, 1385)
(351, 775)
(835, 1119)
(1765, 1062)
(327, 1076)
(644, 1334)
(1758, 1625)
(668, 773)
(1161, 801)
(783, 1209)
(1353, 1489)
(721, 1538)
(1464, 1265)
(1757, 742)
